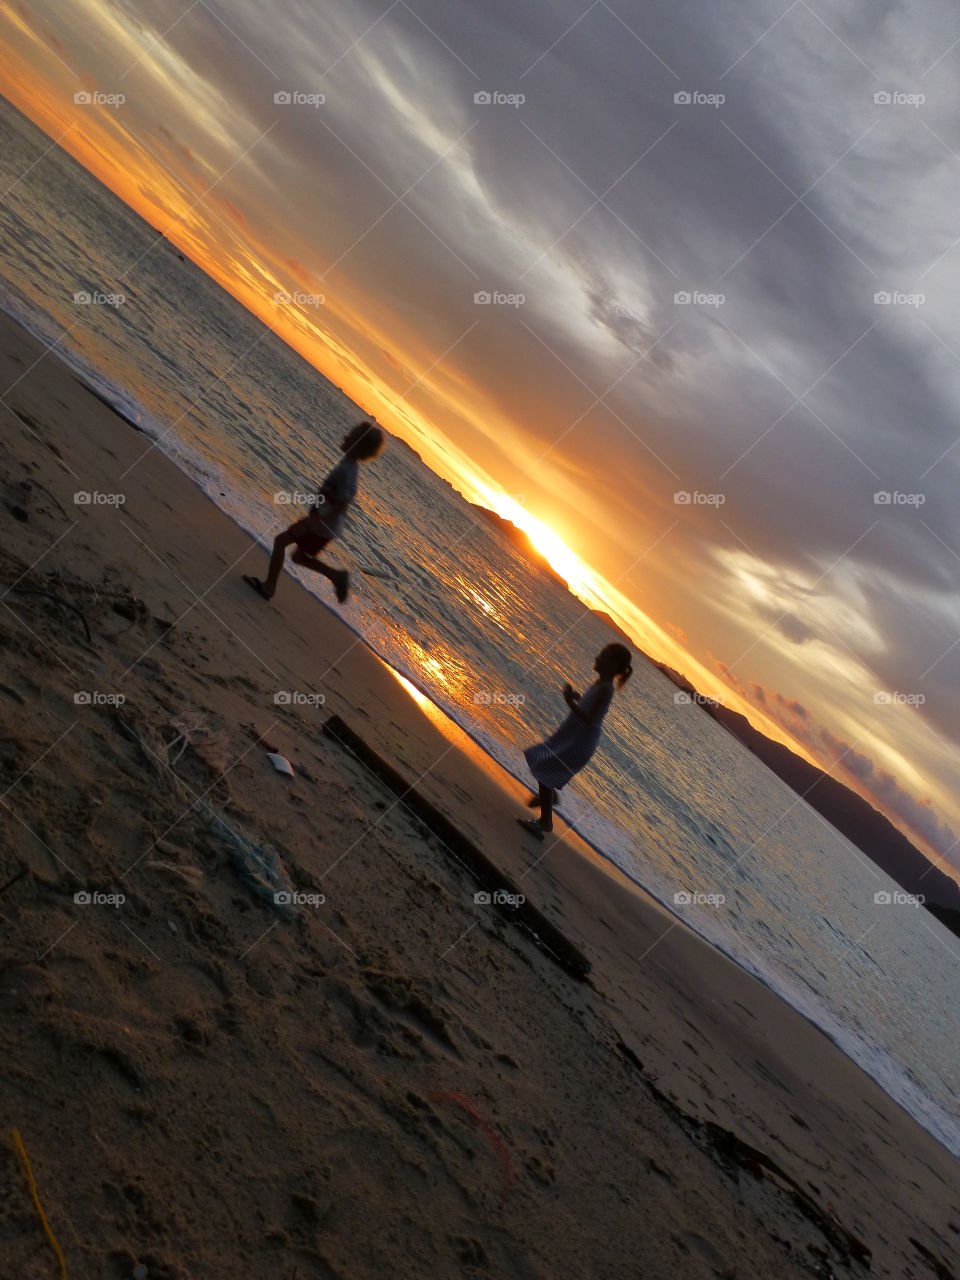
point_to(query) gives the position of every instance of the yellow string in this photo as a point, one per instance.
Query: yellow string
(37, 1205)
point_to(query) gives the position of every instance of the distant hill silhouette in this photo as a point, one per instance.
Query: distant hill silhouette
(521, 541)
(843, 808)
(617, 630)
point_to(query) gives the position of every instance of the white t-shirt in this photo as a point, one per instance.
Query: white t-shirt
(339, 490)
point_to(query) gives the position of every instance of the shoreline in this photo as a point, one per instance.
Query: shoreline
(625, 1076)
(847, 1042)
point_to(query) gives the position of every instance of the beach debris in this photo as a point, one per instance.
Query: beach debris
(486, 1128)
(257, 866)
(161, 751)
(152, 748)
(195, 731)
(33, 589)
(78, 595)
(281, 764)
(35, 1197)
(192, 876)
(129, 607)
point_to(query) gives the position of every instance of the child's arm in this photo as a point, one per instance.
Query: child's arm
(572, 699)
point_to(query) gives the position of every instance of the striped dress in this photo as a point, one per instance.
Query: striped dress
(555, 761)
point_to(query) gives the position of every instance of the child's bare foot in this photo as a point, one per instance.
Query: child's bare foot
(534, 827)
(341, 584)
(257, 586)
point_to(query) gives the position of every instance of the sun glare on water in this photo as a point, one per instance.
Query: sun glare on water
(545, 540)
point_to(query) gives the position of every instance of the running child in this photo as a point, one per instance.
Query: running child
(325, 522)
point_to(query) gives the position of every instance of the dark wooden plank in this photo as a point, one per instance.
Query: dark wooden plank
(487, 874)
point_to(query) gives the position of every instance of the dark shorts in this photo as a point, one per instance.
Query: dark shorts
(307, 538)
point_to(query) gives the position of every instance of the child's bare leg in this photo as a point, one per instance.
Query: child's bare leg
(534, 801)
(280, 544)
(339, 577)
(311, 562)
(545, 800)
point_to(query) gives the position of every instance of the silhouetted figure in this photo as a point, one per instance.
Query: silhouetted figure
(313, 532)
(554, 762)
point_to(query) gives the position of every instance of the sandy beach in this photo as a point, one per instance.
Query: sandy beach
(397, 1081)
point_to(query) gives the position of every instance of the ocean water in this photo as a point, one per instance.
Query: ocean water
(675, 802)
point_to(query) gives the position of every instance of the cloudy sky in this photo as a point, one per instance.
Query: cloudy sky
(721, 244)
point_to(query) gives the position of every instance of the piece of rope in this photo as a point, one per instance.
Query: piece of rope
(17, 1142)
(488, 1131)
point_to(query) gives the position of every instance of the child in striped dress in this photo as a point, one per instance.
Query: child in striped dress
(555, 761)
